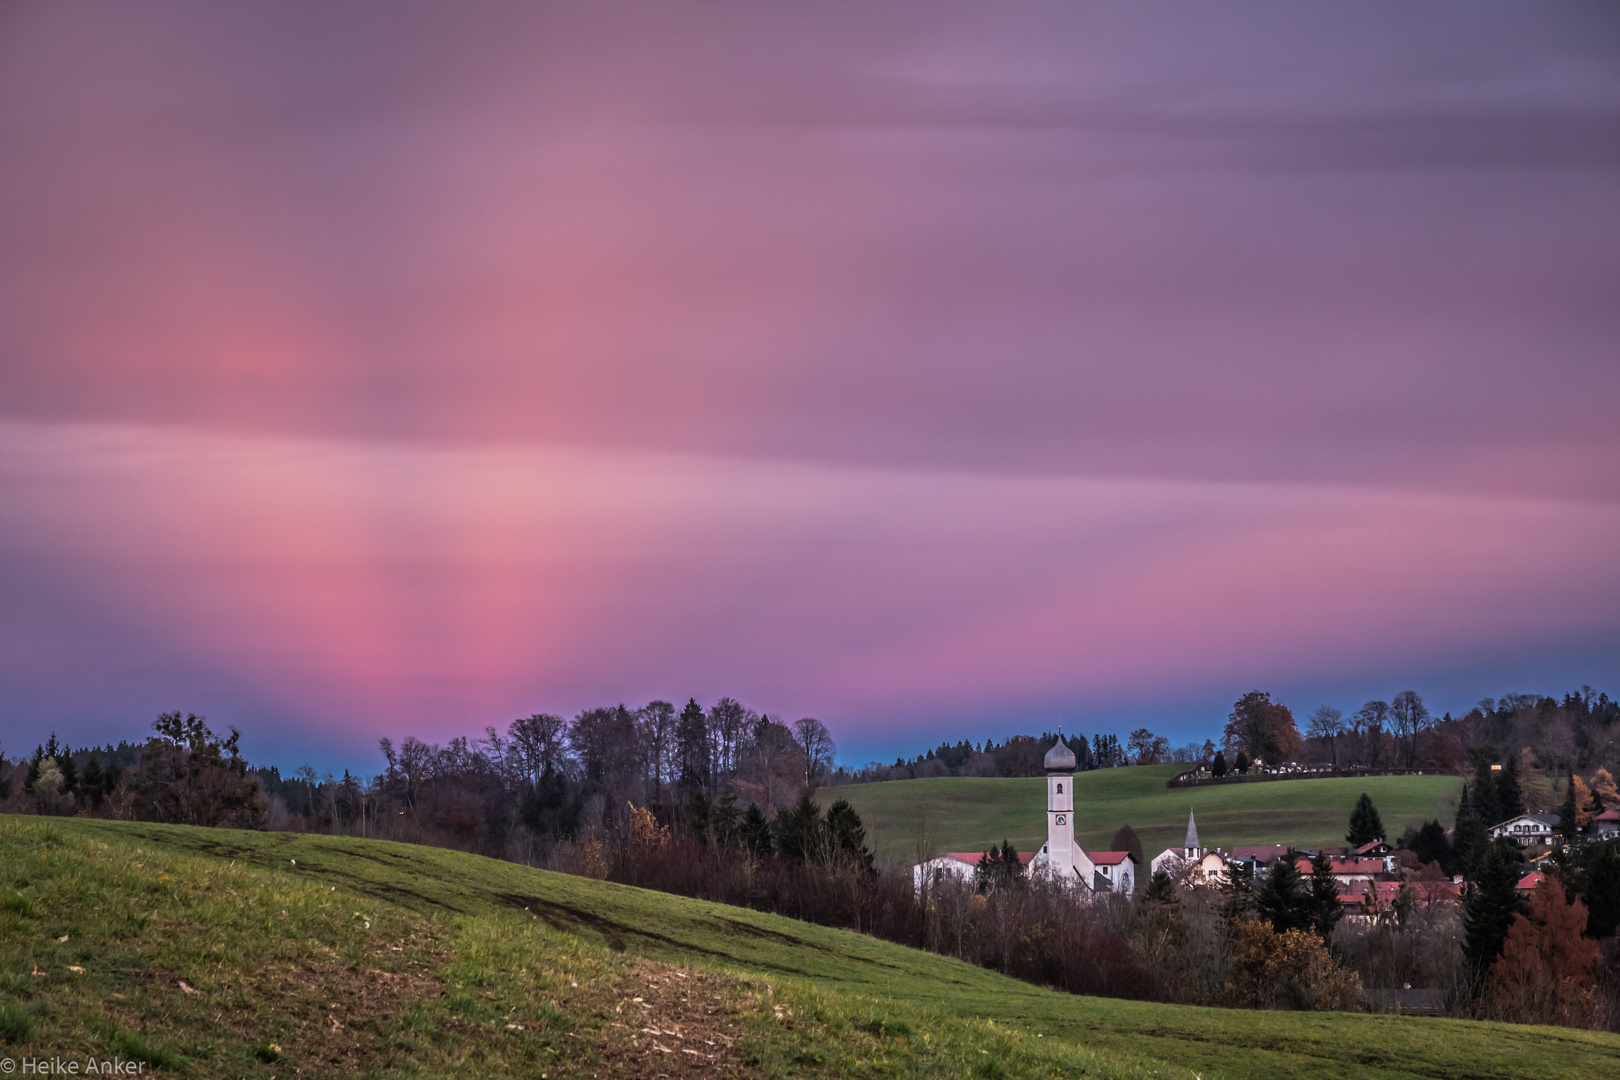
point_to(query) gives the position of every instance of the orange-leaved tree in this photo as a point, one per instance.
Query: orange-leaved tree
(1544, 975)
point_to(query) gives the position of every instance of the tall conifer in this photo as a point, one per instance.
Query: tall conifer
(1488, 913)
(1365, 826)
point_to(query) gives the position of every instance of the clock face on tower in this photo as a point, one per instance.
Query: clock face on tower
(1060, 819)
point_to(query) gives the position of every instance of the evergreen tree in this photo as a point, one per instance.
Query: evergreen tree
(725, 818)
(1469, 838)
(1237, 891)
(1218, 766)
(70, 771)
(848, 835)
(800, 832)
(698, 817)
(1323, 897)
(1430, 845)
(1365, 827)
(1509, 796)
(692, 760)
(1602, 892)
(1162, 891)
(92, 780)
(1483, 795)
(999, 868)
(1489, 910)
(1568, 821)
(755, 832)
(1242, 762)
(1282, 898)
(33, 767)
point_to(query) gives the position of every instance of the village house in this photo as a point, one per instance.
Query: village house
(1365, 901)
(1256, 857)
(1606, 826)
(962, 865)
(1528, 829)
(1348, 872)
(1191, 864)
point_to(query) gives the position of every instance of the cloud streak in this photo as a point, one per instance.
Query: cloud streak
(382, 587)
(364, 367)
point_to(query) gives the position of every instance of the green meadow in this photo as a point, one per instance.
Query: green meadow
(213, 953)
(971, 813)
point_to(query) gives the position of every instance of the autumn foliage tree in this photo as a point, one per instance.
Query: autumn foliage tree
(1544, 975)
(1262, 728)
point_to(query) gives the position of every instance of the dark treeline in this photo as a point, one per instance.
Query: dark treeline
(1543, 734)
(1021, 755)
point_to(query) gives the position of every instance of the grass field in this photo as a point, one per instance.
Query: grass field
(216, 953)
(971, 813)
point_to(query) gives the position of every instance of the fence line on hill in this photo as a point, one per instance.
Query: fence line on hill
(1190, 778)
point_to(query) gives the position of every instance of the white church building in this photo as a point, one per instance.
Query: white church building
(1060, 856)
(1191, 864)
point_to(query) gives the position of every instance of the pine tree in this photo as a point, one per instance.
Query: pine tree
(755, 832)
(1568, 822)
(1430, 845)
(1237, 891)
(1469, 838)
(92, 780)
(1509, 796)
(801, 834)
(999, 868)
(848, 835)
(1325, 910)
(1489, 910)
(692, 761)
(1484, 794)
(1282, 899)
(1602, 892)
(1218, 766)
(1162, 891)
(1365, 827)
(698, 817)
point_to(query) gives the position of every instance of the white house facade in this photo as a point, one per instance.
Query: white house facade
(1191, 863)
(1528, 829)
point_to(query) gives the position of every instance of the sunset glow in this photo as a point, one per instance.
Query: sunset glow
(401, 369)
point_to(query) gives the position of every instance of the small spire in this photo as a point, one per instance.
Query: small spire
(1192, 832)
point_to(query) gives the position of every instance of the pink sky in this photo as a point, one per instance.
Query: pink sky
(386, 369)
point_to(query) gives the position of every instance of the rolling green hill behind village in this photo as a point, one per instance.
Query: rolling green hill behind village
(972, 813)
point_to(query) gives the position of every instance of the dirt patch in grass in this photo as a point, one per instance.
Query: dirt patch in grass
(674, 1022)
(316, 1012)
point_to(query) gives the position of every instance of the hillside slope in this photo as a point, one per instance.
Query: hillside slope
(212, 953)
(971, 813)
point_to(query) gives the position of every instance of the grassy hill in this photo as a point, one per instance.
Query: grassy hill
(971, 813)
(217, 953)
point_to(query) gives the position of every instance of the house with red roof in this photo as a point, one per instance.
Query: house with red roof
(961, 865)
(1606, 826)
(1116, 872)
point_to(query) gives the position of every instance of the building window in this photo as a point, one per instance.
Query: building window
(1060, 789)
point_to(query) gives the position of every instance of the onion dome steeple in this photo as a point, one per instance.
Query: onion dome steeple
(1060, 758)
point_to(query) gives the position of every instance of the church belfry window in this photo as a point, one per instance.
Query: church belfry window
(1060, 789)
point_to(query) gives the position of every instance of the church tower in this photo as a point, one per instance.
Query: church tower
(1060, 848)
(1190, 850)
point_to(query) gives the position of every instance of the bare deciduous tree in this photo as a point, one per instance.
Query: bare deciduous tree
(816, 743)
